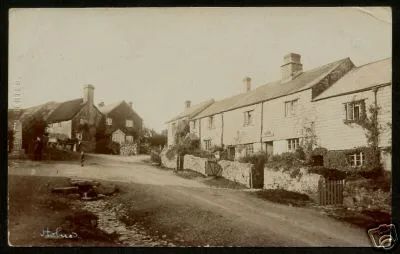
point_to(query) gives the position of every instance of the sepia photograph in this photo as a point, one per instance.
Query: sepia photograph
(200, 127)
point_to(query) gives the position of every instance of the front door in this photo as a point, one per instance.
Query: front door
(231, 153)
(269, 147)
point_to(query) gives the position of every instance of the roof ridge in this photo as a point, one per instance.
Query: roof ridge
(381, 60)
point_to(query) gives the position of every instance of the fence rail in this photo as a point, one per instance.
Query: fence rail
(330, 191)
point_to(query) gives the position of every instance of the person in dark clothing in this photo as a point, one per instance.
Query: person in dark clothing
(82, 153)
(38, 147)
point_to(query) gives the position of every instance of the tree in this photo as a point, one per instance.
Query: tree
(35, 128)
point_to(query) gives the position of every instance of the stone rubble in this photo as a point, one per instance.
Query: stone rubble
(128, 235)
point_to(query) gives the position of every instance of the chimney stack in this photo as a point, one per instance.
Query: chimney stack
(88, 94)
(130, 104)
(187, 104)
(247, 84)
(101, 104)
(291, 66)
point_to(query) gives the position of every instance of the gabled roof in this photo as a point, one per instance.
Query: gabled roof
(361, 78)
(272, 90)
(192, 111)
(66, 110)
(42, 111)
(110, 107)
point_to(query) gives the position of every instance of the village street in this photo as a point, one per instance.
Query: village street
(201, 214)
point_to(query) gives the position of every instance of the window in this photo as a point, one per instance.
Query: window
(82, 121)
(129, 123)
(354, 110)
(248, 117)
(293, 144)
(109, 121)
(357, 159)
(249, 149)
(290, 108)
(207, 144)
(129, 139)
(211, 122)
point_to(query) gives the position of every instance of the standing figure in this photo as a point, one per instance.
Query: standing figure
(82, 158)
(38, 146)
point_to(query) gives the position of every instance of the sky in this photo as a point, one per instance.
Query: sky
(158, 58)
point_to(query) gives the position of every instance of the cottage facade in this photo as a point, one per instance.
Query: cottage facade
(75, 120)
(272, 117)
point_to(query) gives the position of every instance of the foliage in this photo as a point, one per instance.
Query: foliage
(61, 155)
(329, 173)
(35, 128)
(182, 129)
(202, 154)
(309, 142)
(155, 155)
(114, 147)
(10, 138)
(257, 159)
(285, 161)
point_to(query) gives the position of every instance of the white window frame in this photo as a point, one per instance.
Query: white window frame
(130, 121)
(357, 159)
(291, 107)
(207, 144)
(249, 149)
(293, 144)
(351, 115)
(248, 118)
(109, 121)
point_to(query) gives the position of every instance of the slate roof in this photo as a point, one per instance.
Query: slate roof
(272, 90)
(192, 111)
(66, 110)
(110, 107)
(361, 78)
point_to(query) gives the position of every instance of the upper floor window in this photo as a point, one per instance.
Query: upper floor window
(211, 122)
(293, 144)
(109, 121)
(207, 144)
(248, 117)
(249, 149)
(354, 110)
(290, 107)
(129, 123)
(357, 159)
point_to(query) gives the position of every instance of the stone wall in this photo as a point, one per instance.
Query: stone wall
(128, 149)
(168, 162)
(304, 182)
(195, 163)
(236, 171)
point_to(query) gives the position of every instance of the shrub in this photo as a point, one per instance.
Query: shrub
(155, 156)
(286, 161)
(329, 173)
(202, 153)
(257, 159)
(114, 147)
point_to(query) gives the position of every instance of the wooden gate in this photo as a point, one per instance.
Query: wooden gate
(330, 191)
(257, 177)
(213, 168)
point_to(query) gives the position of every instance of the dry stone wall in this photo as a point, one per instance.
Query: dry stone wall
(304, 182)
(128, 149)
(168, 162)
(236, 171)
(195, 163)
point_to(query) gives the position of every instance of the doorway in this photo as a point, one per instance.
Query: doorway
(269, 148)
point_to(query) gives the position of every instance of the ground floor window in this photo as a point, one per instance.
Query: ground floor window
(357, 159)
(207, 144)
(249, 149)
(129, 139)
(293, 144)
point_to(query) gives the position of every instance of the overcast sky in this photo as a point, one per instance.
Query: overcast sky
(158, 58)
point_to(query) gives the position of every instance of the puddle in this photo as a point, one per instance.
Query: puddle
(108, 222)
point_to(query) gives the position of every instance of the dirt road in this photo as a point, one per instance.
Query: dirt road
(233, 217)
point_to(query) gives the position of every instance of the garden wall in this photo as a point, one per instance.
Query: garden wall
(168, 162)
(236, 171)
(195, 163)
(303, 182)
(128, 149)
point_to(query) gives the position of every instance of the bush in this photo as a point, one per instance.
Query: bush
(329, 173)
(286, 161)
(257, 159)
(155, 156)
(114, 147)
(202, 154)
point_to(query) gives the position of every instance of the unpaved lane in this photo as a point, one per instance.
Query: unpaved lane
(261, 223)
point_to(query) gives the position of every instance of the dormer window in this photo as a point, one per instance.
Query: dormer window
(109, 121)
(129, 123)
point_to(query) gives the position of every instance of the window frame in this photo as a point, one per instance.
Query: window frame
(207, 144)
(357, 159)
(249, 149)
(350, 111)
(248, 117)
(129, 121)
(109, 121)
(293, 144)
(291, 107)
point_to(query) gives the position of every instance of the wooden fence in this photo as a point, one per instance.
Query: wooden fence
(330, 191)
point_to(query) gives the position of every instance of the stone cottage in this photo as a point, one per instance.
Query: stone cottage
(122, 123)
(188, 113)
(341, 106)
(272, 117)
(75, 120)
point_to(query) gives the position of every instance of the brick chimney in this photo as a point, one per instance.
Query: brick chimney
(247, 84)
(187, 104)
(291, 66)
(88, 94)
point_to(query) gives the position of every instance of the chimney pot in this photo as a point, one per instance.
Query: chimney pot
(187, 104)
(291, 66)
(247, 84)
(88, 94)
